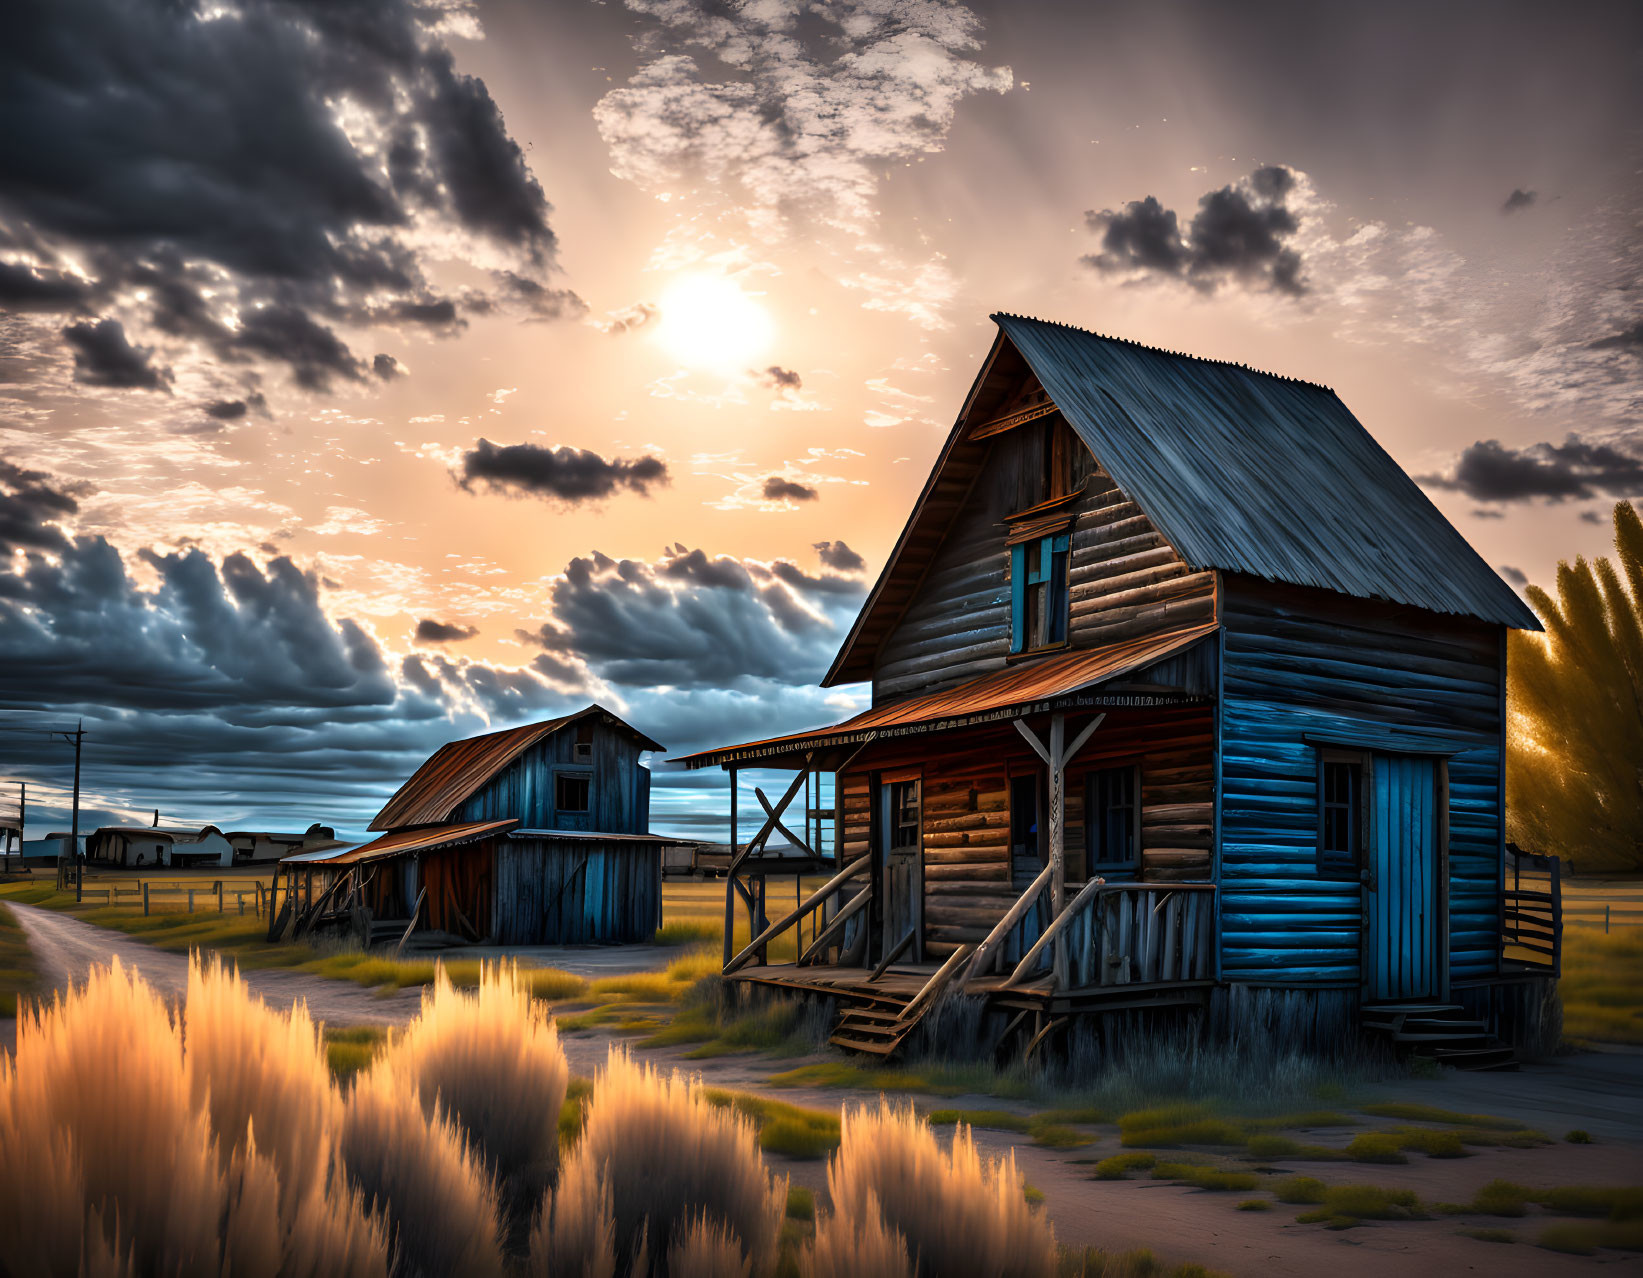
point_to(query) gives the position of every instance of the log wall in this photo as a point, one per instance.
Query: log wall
(1124, 580)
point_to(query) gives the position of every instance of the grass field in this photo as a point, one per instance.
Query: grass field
(1602, 985)
(16, 967)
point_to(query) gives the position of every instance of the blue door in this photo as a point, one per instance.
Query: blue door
(1402, 897)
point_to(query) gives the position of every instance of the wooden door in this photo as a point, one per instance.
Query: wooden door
(1403, 896)
(901, 852)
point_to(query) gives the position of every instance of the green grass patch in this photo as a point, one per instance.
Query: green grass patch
(1602, 985)
(17, 974)
(1210, 1178)
(1033, 1194)
(351, 1048)
(1271, 1145)
(688, 932)
(1057, 1135)
(1300, 1189)
(1119, 1166)
(801, 1203)
(932, 1080)
(785, 1129)
(574, 1111)
(1255, 1204)
(1343, 1206)
(1172, 1125)
(996, 1119)
(1579, 1137)
(1137, 1263)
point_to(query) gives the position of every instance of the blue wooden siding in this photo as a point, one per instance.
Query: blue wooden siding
(619, 793)
(576, 893)
(1298, 662)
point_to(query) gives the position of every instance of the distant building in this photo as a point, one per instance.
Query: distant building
(534, 835)
(253, 846)
(138, 845)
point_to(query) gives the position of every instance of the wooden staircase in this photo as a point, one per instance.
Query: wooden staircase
(876, 1020)
(1440, 1032)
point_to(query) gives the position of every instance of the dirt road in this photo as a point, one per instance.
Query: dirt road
(1179, 1224)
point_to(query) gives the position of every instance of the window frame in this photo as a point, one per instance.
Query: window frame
(1053, 552)
(1096, 861)
(582, 743)
(1332, 862)
(562, 775)
(900, 790)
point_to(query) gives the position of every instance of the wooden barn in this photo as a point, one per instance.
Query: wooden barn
(1184, 695)
(535, 835)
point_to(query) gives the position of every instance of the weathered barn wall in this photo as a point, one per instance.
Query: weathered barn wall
(966, 817)
(1298, 661)
(551, 892)
(1124, 580)
(619, 798)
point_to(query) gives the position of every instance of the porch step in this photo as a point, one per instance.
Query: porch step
(1440, 1032)
(870, 1030)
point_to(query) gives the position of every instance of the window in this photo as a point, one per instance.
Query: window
(582, 752)
(904, 805)
(1038, 593)
(1340, 812)
(1110, 801)
(570, 792)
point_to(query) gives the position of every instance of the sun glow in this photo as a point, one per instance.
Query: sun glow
(707, 322)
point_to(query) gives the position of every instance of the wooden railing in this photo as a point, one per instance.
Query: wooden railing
(1531, 923)
(1127, 934)
(820, 899)
(991, 954)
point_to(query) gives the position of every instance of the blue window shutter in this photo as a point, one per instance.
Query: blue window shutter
(1018, 595)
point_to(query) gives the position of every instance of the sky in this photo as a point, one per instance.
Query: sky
(375, 373)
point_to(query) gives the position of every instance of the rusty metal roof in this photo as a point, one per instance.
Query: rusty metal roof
(1018, 689)
(455, 770)
(404, 842)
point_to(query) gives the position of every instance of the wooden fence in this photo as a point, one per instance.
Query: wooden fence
(200, 896)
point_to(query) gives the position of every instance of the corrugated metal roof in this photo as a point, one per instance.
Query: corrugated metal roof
(1250, 472)
(603, 836)
(404, 842)
(323, 854)
(454, 771)
(1015, 690)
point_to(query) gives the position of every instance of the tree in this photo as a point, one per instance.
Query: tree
(1574, 775)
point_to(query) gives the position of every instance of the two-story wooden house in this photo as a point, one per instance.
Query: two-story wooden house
(1182, 692)
(535, 835)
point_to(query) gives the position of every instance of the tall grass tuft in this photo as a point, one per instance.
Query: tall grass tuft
(670, 1158)
(414, 1168)
(859, 1247)
(959, 1214)
(575, 1234)
(491, 1060)
(706, 1249)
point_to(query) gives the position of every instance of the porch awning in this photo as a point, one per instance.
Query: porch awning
(422, 839)
(1059, 682)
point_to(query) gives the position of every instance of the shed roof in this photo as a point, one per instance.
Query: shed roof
(404, 842)
(1238, 469)
(456, 770)
(1004, 693)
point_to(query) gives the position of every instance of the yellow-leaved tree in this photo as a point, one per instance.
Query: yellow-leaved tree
(1574, 771)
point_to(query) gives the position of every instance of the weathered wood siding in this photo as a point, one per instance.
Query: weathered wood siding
(564, 893)
(966, 808)
(619, 795)
(1124, 580)
(1298, 661)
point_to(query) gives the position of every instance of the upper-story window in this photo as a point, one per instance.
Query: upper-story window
(1038, 593)
(582, 751)
(571, 791)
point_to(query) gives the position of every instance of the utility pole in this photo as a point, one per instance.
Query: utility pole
(77, 736)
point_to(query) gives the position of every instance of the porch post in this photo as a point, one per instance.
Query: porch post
(1058, 858)
(730, 877)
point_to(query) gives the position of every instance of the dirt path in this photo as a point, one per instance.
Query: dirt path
(1598, 1092)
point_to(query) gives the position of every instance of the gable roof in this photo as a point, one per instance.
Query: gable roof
(457, 769)
(1239, 470)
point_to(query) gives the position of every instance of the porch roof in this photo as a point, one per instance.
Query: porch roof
(1044, 684)
(421, 839)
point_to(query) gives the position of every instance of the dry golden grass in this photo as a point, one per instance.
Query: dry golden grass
(856, 1247)
(959, 1214)
(666, 1156)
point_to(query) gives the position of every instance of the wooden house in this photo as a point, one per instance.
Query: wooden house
(534, 835)
(1183, 694)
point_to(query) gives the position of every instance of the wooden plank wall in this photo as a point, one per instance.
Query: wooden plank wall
(619, 799)
(1124, 580)
(615, 900)
(1301, 661)
(966, 817)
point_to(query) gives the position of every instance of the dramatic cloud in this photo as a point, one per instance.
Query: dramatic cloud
(839, 557)
(776, 488)
(1518, 200)
(104, 356)
(247, 175)
(227, 410)
(1575, 469)
(387, 367)
(569, 475)
(430, 631)
(1630, 340)
(1240, 233)
(778, 378)
(32, 506)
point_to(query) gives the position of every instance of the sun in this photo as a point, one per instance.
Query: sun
(707, 322)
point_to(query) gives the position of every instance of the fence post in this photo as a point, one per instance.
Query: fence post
(239, 900)
(191, 900)
(1605, 918)
(219, 896)
(145, 897)
(258, 886)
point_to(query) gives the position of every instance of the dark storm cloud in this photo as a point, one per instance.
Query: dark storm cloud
(1516, 576)
(104, 356)
(430, 631)
(778, 378)
(777, 488)
(194, 152)
(1238, 233)
(387, 367)
(839, 557)
(570, 475)
(1630, 339)
(226, 410)
(1518, 200)
(32, 504)
(697, 622)
(1574, 469)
